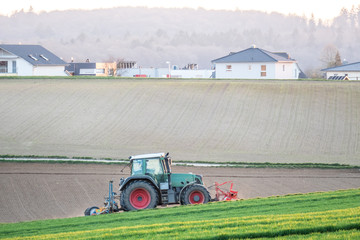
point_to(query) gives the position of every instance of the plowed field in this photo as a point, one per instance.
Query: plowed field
(262, 121)
(31, 191)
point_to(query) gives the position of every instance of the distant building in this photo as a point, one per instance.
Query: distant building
(126, 64)
(29, 60)
(91, 69)
(164, 73)
(349, 71)
(256, 63)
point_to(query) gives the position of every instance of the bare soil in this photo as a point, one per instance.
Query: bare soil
(212, 120)
(32, 191)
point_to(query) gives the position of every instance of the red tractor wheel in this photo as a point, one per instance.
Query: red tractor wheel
(195, 194)
(196, 197)
(139, 194)
(140, 198)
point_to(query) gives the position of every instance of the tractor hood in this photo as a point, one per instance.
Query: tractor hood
(182, 179)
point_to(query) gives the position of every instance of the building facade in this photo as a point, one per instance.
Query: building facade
(91, 69)
(29, 60)
(256, 63)
(349, 71)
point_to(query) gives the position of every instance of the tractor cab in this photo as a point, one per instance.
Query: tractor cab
(157, 163)
(157, 166)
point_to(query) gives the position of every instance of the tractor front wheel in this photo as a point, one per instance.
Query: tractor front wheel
(139, 194)
(90, 211)
(195, 194)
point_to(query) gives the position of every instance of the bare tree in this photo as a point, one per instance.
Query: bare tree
(328, 56)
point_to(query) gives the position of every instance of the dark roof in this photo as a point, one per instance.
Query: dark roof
(351, 67)
(254, 55)
(75, 67)
(34, 54)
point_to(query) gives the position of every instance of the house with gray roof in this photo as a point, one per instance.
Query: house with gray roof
(29, 60)
(349, 71)
(257, 63)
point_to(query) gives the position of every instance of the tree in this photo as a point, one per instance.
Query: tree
(330, 56)
(338, 59)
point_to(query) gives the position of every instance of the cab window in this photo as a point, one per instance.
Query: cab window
(154, 167)
(136, 167)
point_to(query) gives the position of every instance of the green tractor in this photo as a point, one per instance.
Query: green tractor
(151, 184)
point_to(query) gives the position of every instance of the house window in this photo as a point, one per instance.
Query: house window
(228, 67)
(3, 66)
(263, 71)
(14, 66)
(100, 70)
(249, 67)
(283, 68)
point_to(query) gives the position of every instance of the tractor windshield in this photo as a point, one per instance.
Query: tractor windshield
(154, 167)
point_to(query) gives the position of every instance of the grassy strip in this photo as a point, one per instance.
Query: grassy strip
(234, 227)
(65, 159)
(237, 216)
(277, 165)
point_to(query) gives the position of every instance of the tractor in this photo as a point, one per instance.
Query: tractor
(152, 184)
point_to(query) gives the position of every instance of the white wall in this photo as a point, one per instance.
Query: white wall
(351, 75)
(287, 70)
(24, 68)
(49, 71)
(149, 72)
(191, 73)
(163, 72)
(245, 70)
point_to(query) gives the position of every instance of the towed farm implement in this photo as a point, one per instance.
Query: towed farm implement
(152, 183)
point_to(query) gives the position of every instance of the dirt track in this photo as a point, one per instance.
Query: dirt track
(31, 191)
(215, 120)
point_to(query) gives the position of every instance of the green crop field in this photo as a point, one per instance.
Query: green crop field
(326, 215)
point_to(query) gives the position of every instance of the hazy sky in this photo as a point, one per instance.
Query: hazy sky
(324, 9)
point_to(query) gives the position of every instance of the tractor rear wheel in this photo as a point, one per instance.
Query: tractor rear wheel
(139, 194)
(90, 211)
(195, 194)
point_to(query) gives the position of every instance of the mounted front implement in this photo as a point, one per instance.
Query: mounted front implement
(110, 205)
(152, 183)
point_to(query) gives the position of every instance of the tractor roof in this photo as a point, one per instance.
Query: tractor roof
(151, 155)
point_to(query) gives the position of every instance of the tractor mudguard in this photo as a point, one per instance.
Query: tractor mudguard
(138, 177)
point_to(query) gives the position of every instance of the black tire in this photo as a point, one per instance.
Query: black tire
(139, 194)
(195, 194)
(90, 210)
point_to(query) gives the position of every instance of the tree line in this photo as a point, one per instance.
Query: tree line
(152, 36)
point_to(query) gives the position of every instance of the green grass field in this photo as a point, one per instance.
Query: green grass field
(326, 215)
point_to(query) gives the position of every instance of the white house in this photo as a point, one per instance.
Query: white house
(256, 63)
(29, 60)
(344, 72)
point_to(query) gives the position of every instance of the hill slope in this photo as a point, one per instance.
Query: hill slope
(261, 121)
